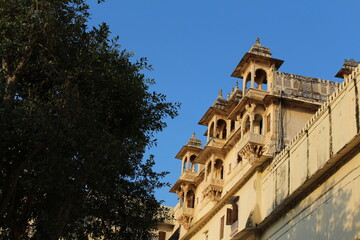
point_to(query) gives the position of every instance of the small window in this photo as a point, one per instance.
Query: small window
(162, 235)
(232, 213)
(247, 124)
(190, 201)
(239, 159)
(229, 168)
(222, 227)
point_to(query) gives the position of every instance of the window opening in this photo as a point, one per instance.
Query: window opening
(247, 124)
(162, 235)
(222, 227)
(190, 202)
(260, 79)
(232, 213)
(258, 124)
(221, 129)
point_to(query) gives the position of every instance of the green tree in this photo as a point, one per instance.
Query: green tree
(76, 115)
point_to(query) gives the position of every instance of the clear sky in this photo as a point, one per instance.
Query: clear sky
(194, 46)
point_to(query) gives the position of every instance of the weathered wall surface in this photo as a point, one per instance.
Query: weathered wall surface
(331, 211)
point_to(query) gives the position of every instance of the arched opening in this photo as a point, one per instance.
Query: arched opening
(221, 129)
(258, 124)
(219, 169)
(246, 124)
(190, 201)
(193, 165)
(260, 79)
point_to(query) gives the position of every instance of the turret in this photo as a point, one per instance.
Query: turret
(257, 68)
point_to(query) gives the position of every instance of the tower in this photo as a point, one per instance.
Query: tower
(228, 180)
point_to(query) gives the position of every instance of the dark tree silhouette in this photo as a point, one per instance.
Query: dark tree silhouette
(75, 118)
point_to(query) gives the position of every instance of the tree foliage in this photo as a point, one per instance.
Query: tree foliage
(76, 115)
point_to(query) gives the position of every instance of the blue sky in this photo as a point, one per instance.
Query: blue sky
(194, 45)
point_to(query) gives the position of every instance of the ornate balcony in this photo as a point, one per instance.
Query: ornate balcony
(213, 188)
(251, 146)
(188, 176)
(184, 215)
(215, 143)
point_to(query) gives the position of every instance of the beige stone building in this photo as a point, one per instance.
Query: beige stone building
(281, 160)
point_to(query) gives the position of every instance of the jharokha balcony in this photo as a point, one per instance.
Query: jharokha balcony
(184, 214)
(188, 176)
(252, 145)
(215, 143)
(213, 188)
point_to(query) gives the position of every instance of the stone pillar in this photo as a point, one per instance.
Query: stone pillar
(215, 127)
(208, 133)
(185, 190)
(252, 75)
(244, 85)
(182, 165)
(251, 122)
(212, 167)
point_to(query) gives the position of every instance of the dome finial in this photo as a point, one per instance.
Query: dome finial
(257, 42)
(194, 142)
(220, 93)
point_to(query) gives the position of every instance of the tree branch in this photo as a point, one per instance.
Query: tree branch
(14, 177)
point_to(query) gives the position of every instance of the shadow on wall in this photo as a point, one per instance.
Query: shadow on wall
(333, 215)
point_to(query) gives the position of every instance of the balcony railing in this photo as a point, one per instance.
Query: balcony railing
(188, 176)
(213, 188)
(215, 142)
(215, 182)
(184, 211)
(251, 138)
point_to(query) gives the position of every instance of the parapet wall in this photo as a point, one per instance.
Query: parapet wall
(321, 143)
(314, 89)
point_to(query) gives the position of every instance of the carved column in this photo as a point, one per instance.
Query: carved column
(182, 165)
(251, 122)
(212, 167)
(208, 133)
(252, 74)
(244, 85)
(185, 190)
(271, 79)
(215, 126)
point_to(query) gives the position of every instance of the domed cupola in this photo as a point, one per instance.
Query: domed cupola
(220, 102)
(194, 142)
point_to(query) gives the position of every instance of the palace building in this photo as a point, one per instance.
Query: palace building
(281, 158)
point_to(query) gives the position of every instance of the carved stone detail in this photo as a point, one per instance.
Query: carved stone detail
(213, 192)
(185, 221)
(252, 152)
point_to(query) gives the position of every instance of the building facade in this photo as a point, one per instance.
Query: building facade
(281, 158)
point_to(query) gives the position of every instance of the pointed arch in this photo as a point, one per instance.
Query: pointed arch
(261, 79)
